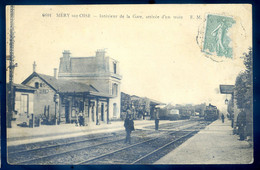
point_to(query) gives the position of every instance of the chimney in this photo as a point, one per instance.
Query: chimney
(34, 66)
(55, 73)
(100, 53)
(66, 53)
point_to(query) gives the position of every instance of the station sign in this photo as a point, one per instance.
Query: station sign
(226, 89)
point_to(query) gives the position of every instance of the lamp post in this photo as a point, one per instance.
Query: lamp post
(226, 101)
(11, 69)
(56, 101)
(228, 89)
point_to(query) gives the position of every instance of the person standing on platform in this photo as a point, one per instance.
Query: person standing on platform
(223, 118)
(156, 123)
(77, 118)
(129, 126)
(232, 120)
(241, 123)
(80, 119)
(156, 120)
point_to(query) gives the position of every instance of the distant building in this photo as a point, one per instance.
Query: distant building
(100, 71)
(142, 107)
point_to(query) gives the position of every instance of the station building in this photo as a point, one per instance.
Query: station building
(100, 71)
(61, 100)
(87, 85)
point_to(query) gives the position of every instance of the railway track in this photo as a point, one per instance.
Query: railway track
(19, 157)
(163, 150)
(135, 153)
(170, 125)
(56, 145)
(84, 150)
(154, 153)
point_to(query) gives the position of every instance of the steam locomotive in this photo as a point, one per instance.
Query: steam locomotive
(211, 113)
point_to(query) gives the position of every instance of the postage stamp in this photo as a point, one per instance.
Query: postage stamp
(217, 39)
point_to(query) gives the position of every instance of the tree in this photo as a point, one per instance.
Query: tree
(244, 91)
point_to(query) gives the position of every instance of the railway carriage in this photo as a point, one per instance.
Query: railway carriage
(185, 113)
(169, 114)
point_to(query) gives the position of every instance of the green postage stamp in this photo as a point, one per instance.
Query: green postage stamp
(217, 40)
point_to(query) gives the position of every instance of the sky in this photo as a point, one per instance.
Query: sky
(158, 56)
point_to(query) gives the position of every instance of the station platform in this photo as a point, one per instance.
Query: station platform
(24, 135)
(215, 144)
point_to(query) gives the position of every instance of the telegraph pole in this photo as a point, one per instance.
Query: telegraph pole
(11, 69)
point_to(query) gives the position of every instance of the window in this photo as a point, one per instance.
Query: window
(36, 85)
(114, 89)
(114, 64)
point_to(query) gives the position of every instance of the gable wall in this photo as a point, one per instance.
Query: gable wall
(42, 97)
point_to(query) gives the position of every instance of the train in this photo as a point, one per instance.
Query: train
(174, 113)
(185, 113)
(211, 113)
(169, 114)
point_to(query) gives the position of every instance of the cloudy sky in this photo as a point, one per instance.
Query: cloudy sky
(159, 56)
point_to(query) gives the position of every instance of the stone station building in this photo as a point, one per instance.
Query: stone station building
(87, 85)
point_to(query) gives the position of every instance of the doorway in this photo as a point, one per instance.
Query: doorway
(114, 110)
(67, 111)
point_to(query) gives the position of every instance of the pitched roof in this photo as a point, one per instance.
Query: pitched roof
(87, 65)
(134, 97)
(22, 86)
(62, 85)
(152, 101)
(156, 102)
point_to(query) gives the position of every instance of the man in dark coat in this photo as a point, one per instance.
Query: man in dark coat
(156, 120)
(156, 123)
(129, 126)
(223, 118)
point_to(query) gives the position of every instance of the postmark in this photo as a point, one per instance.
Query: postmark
(214, 38)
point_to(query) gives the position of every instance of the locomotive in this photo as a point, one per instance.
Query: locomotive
(211, 113)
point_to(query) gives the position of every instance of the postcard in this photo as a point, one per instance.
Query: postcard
(129, 84)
